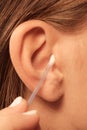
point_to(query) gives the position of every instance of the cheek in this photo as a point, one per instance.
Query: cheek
(76, 105)
(71, 59)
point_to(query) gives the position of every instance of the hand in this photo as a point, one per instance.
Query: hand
(17, 116)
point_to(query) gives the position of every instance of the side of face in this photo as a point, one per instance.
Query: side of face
(63, 96)
(71, 54)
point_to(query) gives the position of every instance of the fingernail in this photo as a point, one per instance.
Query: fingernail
(16, 101)
(33, 112)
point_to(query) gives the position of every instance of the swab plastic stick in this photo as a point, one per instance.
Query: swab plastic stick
(37, 88)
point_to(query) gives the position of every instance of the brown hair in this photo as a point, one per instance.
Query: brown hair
(65, 15)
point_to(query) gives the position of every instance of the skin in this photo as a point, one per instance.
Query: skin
(65, 112)
(68, 112)
(71, 111)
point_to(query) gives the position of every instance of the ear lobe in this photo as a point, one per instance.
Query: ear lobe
(31, 45)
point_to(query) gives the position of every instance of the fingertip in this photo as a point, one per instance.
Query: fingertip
(17, 101)
(33, 113)
(33, 117)
(19, 105)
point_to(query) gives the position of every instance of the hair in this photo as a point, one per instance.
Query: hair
(65, 15)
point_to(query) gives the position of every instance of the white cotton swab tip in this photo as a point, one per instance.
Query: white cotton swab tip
(52, 60)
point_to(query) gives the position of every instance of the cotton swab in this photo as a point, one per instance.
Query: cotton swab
(37, 88)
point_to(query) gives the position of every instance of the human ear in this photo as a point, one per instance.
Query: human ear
(31, 45)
